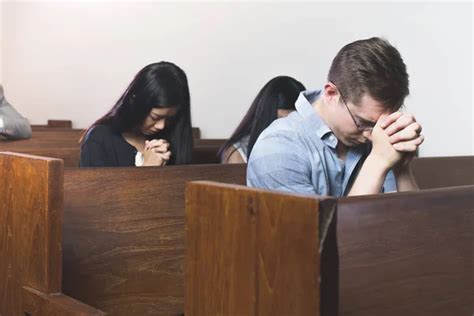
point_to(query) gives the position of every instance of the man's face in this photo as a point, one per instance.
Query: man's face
(352, 124)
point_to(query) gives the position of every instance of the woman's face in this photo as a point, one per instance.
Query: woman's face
(157, 120)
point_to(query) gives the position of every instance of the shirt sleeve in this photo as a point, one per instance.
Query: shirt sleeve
(278, 162)
(13, 125)
(93, 153)
(390, 183)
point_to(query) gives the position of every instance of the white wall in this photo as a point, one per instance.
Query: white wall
(72, 60)
(1, 41)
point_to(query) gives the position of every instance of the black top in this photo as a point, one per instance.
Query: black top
(103, 147)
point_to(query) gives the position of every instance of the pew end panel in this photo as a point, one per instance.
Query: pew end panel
(31, 201)
(247, 253)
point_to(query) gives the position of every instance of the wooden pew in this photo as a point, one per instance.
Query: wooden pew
(438, 172)
(399, 254)
(30, 238)
(255, 252)
(67, 124)
(63, 143)
(210, 142)
(407, 253)
(123, 233)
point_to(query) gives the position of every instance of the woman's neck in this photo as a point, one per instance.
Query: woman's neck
(137, 140)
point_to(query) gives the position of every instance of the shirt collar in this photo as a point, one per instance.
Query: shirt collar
(311, 118)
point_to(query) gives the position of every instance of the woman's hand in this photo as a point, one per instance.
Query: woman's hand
(156, 152)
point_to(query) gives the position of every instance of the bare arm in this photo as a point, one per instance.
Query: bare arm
(232, 155)
(395, 139)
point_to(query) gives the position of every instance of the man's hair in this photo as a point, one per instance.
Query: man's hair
(371, 66)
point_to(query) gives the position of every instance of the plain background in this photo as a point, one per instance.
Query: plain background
(73, 59)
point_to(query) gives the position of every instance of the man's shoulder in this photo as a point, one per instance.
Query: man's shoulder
(285, 129)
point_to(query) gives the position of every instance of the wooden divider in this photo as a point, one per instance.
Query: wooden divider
(407, 253)
(124, 235)
(62, 124)
(31, 203)
(255, 252)
(439, 172)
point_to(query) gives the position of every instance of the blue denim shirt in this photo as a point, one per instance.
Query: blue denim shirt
(298, 154)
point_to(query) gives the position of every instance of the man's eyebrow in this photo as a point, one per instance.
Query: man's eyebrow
(364, 121)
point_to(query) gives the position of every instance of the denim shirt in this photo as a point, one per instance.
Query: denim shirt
(298, 154)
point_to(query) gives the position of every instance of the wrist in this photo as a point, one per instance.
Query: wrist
(378, 163)
(402, 170)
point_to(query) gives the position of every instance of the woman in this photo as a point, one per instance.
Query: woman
(150, 125)
(275, 100)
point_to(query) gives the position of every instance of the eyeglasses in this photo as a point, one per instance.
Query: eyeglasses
(360, 127)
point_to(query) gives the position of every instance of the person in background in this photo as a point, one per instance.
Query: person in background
(275, 100)
(12, 124)
(150, 124)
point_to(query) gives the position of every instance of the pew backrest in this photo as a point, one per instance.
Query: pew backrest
(407, 253)
(124, 235)
(438, 172)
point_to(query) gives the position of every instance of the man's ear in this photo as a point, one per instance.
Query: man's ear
(331, 94)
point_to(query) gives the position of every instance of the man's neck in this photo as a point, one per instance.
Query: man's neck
(320, 107)
(341, 150)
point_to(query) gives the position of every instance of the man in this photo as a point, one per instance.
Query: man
(12, 124)
(348, 138)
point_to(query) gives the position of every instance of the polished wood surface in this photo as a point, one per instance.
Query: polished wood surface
(438, 172)
(40, 304)
(124, 235)
(251, 252)
(407, 253)
(53, 124)
(30, 227)
(31, 195)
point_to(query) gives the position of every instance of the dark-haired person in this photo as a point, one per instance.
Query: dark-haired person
(12, 124)
(348, 138)
(275, 100)
(150, 125)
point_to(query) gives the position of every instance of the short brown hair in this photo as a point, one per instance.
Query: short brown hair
(371, 66)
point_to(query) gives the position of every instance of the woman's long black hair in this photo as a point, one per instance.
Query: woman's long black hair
(279, 93)
(158, 85)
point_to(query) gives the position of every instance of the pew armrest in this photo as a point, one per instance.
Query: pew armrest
(37, 303)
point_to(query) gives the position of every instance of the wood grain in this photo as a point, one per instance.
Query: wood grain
(407, 253)
(40, 304)
(30, 227)
(251, 252)
(124, 235)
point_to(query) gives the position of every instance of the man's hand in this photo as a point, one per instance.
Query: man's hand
(404, 134)
(383, 152)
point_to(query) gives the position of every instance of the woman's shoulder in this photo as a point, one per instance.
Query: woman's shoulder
(98, 133)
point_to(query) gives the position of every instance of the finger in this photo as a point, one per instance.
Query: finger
(166, 156)
(386, 121)
(403, 135)
(415, 126)
(409, 146)
(403, 121)
(155, 143)
(161, 149)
